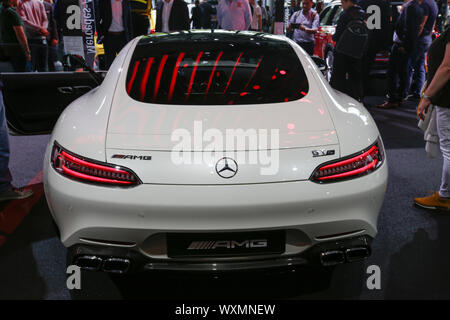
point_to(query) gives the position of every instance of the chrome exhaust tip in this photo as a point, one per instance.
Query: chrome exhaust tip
(357, 254)
(88, 262)
(116, 265)
(331, 258)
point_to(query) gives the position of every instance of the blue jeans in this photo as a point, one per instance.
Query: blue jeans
(5, 175)
(443, 128)
(418, 64)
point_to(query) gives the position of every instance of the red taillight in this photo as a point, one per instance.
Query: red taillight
(354, 166)
(91, 171)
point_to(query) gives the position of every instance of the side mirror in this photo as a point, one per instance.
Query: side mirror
(321, 64)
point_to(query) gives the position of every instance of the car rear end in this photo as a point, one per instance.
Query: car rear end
(170, 195)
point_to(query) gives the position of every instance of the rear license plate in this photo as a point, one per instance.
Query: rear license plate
(225, 244)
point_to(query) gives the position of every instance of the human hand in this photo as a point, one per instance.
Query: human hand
(44, 32)
(422, 108)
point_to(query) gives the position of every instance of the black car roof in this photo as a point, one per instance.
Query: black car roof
(211, 35)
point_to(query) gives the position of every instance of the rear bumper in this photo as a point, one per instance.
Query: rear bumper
(134, 215)
(132, 223)
(134, 261)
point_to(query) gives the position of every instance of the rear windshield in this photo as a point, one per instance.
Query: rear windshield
(215, 71)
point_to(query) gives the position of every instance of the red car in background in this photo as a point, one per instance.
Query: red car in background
(324, 43)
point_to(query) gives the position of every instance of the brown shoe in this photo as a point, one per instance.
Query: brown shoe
(389, 105)
(433, 202)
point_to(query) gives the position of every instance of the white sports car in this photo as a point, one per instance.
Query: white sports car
(204, 151)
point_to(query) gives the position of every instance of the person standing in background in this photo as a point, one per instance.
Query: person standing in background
(14, 42)
(52, 37)
(406, 37)
(35, 21)
(206, 10)
(416, 78)
(293, 7)
(263, 16)
(57, 15)
(256, 24)
(114, 27)
(172, 15)
(16, 48)
(196, 16)
(379, 39)
(438, 93)
(344, 66)
(234, 14)
(305, 24)
(270, 19)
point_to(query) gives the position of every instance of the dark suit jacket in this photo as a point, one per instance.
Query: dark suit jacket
(179, 16)
(103, 14)
(52, 30)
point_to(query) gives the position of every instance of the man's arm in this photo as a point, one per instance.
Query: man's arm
(314, 27)
(52, 29)
(440, 79)
(426, 14)
(424, 21)
(44, 20)
(20, 34)
(412, 27)
(23, 12)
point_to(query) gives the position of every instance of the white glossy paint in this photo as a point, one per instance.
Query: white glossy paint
(193, 197)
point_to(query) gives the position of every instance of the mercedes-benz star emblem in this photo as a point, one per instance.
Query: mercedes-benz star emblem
(226, 168)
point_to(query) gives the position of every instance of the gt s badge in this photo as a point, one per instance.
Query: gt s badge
(131, 157)
(322, 153)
